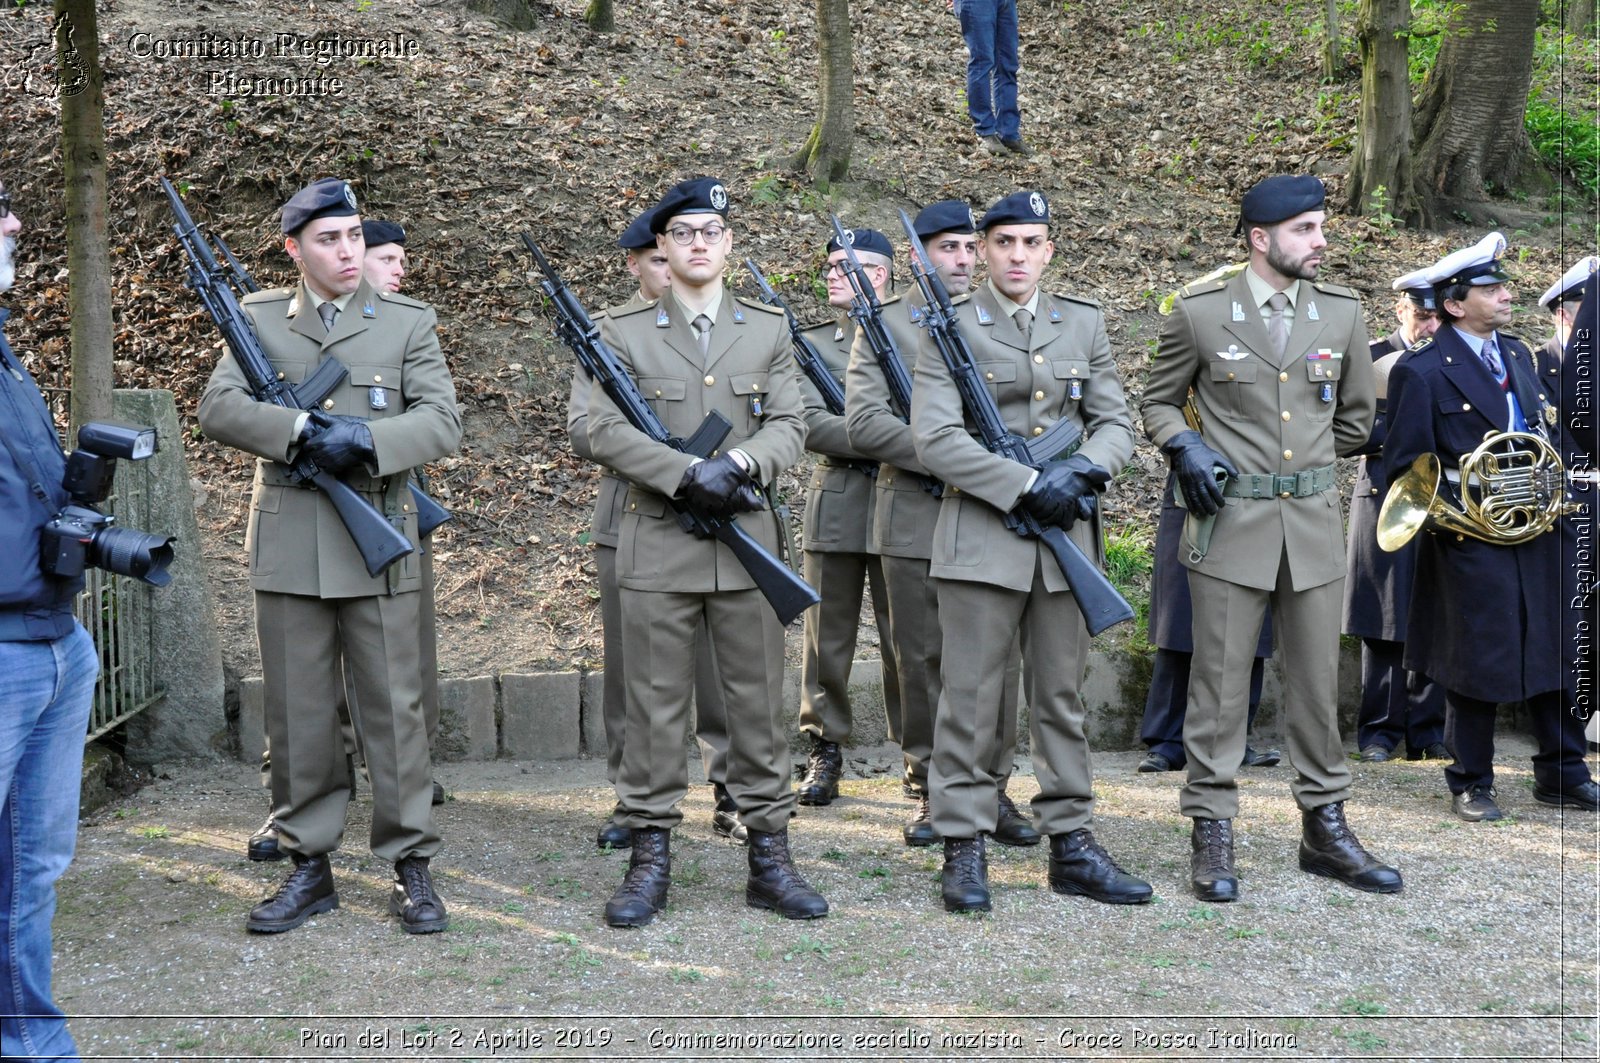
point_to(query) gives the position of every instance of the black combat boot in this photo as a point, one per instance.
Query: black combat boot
(825, 765)
(1011, 827)
(725, 816)
(1079, 865)
(643, 892)
(775, 884)
(964, 882)
(306, 892)
(919, 831)
(1329, 847)
(263, 844)
(413, 899)
(1211, 873)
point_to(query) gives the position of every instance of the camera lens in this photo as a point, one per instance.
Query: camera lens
(133, 553)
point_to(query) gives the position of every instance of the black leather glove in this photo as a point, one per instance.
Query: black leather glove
(719, 488)
(340, 442)
(1193, 463)
(1065, 491)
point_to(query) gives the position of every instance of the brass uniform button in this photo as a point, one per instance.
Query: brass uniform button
(376, 379)
(1286, 494)
(1285, 415)
(1038, 359)
(710, 380)
(1230, 376)
(1038, 396)
(1283, 378)
(1074, 370)
(1288, 455)
(658, 393)
(327, 404)
(280, 376)
(1038, 431)
(988, 376)
(1466, 406)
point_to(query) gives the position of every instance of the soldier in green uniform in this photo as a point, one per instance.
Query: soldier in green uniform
(837, 534)
(317, 610)
(1282, 382)
(904, 513)
(1048, 358)
(694, 350)
(648, 264)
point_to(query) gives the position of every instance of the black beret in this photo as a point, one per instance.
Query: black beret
(864, 240)
(638, 235)
(378, 233)
(945, 216)
(327, 198)
(1279, 198)
(701, 195)
(1422, 298)
(1019, 208)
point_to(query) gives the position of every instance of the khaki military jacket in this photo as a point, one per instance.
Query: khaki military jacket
(749, 375)
(1066, 371)
(1267, 415)
(838, 517)
(904, 511)
(398, 381)
(606, 525)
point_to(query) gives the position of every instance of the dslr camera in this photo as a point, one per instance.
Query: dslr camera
(81, 535)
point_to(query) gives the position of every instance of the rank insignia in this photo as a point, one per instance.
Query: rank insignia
(1311, 312)
(1055, 315)
(662, 321)
(983, 317)
(368, 311)
(738, 314)
(838, 333)
(378, 398)
(916, 313)
(1238, 312)
(1550, 415)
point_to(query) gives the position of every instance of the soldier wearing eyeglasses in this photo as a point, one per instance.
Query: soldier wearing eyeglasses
(694, 350)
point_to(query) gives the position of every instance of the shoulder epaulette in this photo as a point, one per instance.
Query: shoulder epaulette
(629, 309)
(1081, 300)
(895, 298)
(757, 304)
(1334, 289)
(402, 300)
(1200, 287)
(268, 295)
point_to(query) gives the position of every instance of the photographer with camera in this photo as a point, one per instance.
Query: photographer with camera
(48, 666)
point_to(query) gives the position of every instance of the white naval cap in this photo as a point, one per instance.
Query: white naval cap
(1572, 282)
(1478, 264)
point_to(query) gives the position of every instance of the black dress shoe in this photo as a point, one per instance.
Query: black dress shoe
(775, 884)
(1329, 847)
(1011, 826)
(964, 882)
(825, 765)
(263, 844)
(1432, 751)
(1211, 873)
(1476, 805)
(643, 892)
(919, 831)
(1374, 755)
(1584, 795)
(306, 892)
(613, 835)
(725, 817)
(1261, 758)
(1016, 145)
(1156, 762)
(438, 792)
(1079, 865)
(413, 899)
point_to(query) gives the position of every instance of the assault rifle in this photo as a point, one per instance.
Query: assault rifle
(1098, 601)
(805, 352)
(381, 544)
(788, 594)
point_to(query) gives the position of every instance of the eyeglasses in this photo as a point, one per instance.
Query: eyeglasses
(684, 235)
(5, 205)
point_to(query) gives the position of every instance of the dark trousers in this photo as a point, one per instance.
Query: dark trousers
(1469, 734)
(1396, 705)
(1168, 701)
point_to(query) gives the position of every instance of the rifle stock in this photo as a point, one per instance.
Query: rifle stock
(787, 593)
(1097, 599)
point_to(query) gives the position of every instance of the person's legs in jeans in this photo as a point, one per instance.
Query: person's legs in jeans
(978, 27)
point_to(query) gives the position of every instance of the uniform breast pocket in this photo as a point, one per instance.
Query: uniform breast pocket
(639, 547)
(1229, 381)
(750, 401)
(661, 390)
(1074, 374)
(1461, 426)
(374, 391)
(290, 372)
(999, 376)
(1322, 374)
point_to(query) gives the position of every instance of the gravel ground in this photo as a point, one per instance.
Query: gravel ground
(1489, 953)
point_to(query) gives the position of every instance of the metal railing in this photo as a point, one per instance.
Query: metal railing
(119, 613)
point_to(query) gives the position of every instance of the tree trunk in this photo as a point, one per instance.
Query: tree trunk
(599, 16)
(826, 154)
(1580, 17)
(1469, 118)
(1381, 174)
(83, 156)
(1330, 42)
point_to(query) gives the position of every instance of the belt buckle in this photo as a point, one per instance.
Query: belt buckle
(1305, 483)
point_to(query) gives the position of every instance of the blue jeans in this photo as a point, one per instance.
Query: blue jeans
(46, 690)
(990, 28)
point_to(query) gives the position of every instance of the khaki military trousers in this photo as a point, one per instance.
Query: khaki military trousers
(981, 623)
(710, 714)
(918, 649)
(1227, 625)
(303, 642)
(829, 648)
(659, 628)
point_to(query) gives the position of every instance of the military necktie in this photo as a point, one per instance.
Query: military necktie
(1024, 322)
(702, 334)
(329, 313)
(1278, 324)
